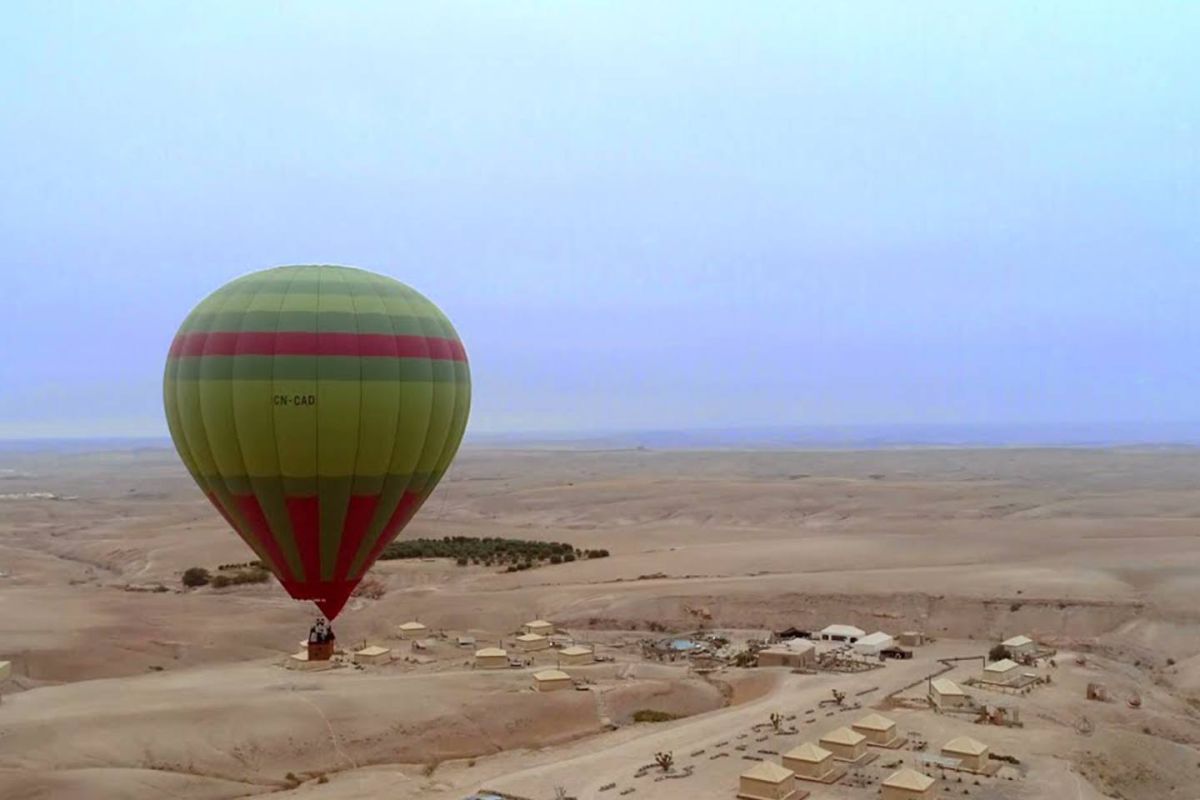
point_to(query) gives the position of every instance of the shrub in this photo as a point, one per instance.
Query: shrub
(371, 588)
(998, 653)
(650, 715)
(556, 559)
(221, 581)
(569, 557)
(195, 576)
(462, 561)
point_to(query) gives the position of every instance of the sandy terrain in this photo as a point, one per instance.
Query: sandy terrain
(123, 692)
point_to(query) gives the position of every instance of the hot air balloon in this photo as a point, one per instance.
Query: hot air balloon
(317, 407)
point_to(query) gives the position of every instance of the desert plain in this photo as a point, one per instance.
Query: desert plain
(126, 685)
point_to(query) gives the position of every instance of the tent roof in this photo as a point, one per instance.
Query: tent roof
(539, 623)
(551, 675)
(875, 722)
(965, 745)
(809, 752)
(412, 626)
(908, 779)
(1004, 665)
(768, 771)
(530, 637)
(878, 637)
(491, 651)
(843, 736)
(947, 686)
(1017, 641)
(576, 650)
(842, 630)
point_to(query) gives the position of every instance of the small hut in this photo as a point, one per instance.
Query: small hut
(1019, 646)
(972, 754)
(1002, 672)
(539, 626)
(908, 784)
(551, 680)
(878, 729)
(373, 654)
(845, 744)
(766, 780)
(532, 642)
(911, 638)
(491, 658)
(811, 762)
(412, 630)
(465, 641)
(576, 655)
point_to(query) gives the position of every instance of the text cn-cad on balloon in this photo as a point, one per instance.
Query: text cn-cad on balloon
(317, 407)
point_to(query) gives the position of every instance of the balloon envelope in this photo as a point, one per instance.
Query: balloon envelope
(317, 407)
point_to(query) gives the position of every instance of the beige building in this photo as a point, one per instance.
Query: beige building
(538, 626)
(6, 669)
(576, 655)
(877, 728)
(1020, 646)
(810, 762)
(911, 638)
(972, 754)
(1002, 672)
(945, 693)
(551, 680)
(532, 642)
(412, 630)
(373, 654)
(908, 784)
(766, 780)
(845, 744)
(491, 658)
(793, 653)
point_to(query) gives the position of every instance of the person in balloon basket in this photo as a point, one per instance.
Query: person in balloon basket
(321, 640)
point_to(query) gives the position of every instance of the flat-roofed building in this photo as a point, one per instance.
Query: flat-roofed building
(551, 680)
(532, 642)
(538, 626)
(1019, 646)
(491, 658)
(792, 653)
(1002, 672)
(945, 693)
(576, 655)
(412, 630)
(373, 654)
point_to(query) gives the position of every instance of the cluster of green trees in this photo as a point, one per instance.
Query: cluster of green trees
(489, 551)
(227, 575)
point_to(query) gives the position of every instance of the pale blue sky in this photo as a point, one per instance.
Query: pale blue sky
(637, 214)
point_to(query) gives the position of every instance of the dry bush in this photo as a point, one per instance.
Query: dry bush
(371, 588)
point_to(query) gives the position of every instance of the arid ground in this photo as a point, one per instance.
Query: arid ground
(121, 689)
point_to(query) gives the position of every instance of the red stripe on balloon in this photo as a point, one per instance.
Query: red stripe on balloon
(302, 343)
(359, 514)
(248, 535)
(405, 510)
(305, 514)
(253, 514)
